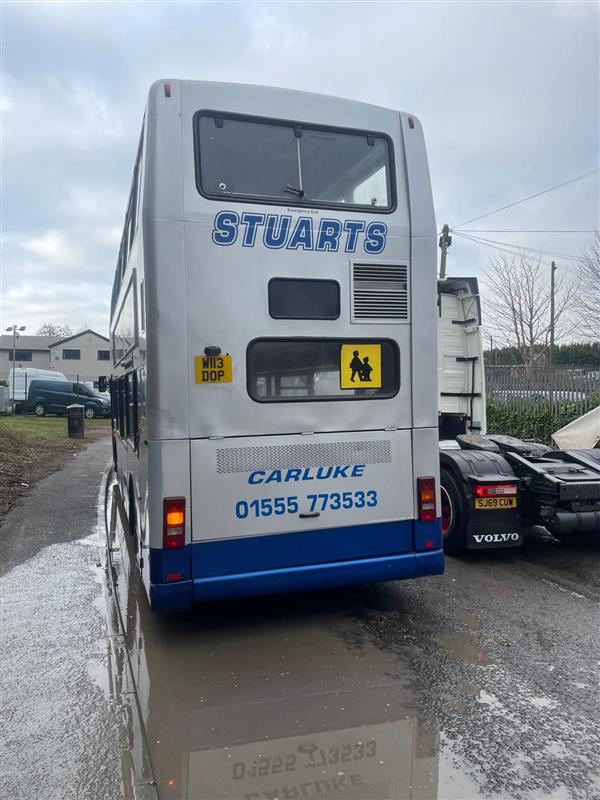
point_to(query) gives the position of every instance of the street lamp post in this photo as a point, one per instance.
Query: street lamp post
(14, 329)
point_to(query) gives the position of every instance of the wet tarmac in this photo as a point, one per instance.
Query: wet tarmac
(59, 736)
(479, 683)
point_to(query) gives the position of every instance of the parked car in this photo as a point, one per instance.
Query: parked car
(54, 397)
(93, 387)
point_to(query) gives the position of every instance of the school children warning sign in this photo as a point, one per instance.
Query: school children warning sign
(360, 366)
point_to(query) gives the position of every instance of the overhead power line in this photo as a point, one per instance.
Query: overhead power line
(523, 230)
(539, 250)
(493, 246)
(510, 248)
(531, 197)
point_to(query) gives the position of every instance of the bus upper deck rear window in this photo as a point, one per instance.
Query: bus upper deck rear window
(275, 162)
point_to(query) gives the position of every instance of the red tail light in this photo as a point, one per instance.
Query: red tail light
(426, 499)
(173, 522)
(495, 490)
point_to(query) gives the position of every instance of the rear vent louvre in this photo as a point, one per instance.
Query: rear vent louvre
(379, 292)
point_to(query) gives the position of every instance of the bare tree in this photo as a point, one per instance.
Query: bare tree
(589, 294)
(517, 308)
(53, 329)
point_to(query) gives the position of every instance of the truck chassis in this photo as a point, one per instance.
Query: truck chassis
(495, 487)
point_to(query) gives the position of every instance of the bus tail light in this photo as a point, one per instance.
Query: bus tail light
(426, 499)
(173, 522)
(495, 490)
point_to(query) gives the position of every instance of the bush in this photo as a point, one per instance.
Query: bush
(535, 420)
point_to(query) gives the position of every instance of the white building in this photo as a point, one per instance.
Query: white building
(84, 356)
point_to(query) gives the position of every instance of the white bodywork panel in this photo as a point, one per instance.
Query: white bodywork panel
(582, 433)
(197, 295)
(459, 337)
(223, 468)
(190, 293)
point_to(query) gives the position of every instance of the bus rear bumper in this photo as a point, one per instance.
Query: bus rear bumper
(181, 596)
(168, 597)
(319, 576)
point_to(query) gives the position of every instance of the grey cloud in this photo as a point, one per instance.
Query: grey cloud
(508, 95)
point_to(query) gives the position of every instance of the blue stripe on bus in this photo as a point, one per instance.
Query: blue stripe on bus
(428, 535)
(170, 562)
(319, 576)
(294, 562)
(171, 596)
(281, 550)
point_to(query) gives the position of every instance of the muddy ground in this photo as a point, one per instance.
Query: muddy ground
(32, 447)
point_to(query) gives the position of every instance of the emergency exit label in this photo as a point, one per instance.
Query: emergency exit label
(360, 366)
(213, 369)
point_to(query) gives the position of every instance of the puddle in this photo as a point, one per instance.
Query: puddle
(285, 698)
(472, 622)
(267, 700)
(542, 702)
(463, 647)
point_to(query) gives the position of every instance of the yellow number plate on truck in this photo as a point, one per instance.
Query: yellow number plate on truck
(213, 369)
(496, 503)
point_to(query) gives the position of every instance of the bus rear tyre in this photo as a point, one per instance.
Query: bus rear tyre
(453, 514)
(39, 409)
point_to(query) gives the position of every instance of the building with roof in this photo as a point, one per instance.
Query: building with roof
(85, 356)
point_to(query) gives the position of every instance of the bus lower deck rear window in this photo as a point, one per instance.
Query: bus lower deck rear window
(288, 370)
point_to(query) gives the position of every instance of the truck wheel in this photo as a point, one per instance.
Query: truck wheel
(90, 413)
(39, 409)
(453, 515)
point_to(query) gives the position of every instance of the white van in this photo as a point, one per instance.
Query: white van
(23, 378)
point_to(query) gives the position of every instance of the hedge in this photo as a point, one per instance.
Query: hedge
(535, 421)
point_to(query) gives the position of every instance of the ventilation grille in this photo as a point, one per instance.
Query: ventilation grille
(246, 459)
(379, 292)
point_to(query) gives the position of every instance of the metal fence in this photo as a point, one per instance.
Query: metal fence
(520, 388)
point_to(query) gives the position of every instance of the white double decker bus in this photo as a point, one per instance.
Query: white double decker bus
(273, 325)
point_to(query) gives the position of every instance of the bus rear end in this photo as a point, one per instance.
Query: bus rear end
(290, 271)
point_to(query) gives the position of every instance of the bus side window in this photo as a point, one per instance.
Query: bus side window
(113, 399)
(122, 407)
(126, 421)
(132, 409)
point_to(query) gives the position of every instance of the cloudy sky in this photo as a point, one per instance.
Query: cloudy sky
(508, 94)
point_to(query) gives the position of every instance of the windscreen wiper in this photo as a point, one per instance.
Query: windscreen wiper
(293, 190)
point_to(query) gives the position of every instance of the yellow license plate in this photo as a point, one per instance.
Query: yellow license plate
(495, 503)
(213, 369)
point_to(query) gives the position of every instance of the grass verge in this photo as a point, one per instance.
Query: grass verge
(33, 447)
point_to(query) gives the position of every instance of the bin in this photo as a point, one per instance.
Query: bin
(75, 421)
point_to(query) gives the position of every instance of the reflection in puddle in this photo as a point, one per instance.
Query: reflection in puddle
(264, 701)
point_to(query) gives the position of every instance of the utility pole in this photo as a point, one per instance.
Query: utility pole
(551, 356)
(14, 328)
(445, 242)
